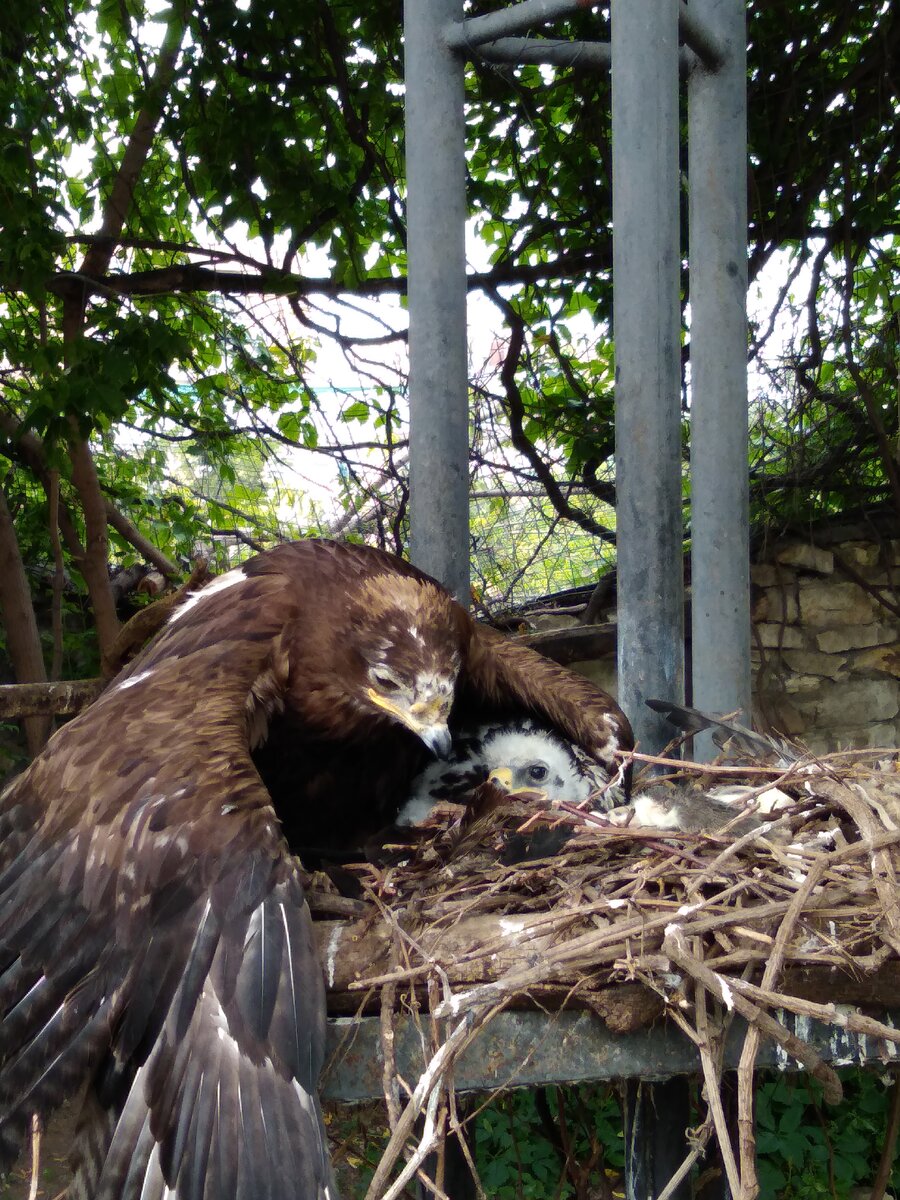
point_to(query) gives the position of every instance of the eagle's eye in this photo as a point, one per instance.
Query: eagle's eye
(537, 772)
(385, 681)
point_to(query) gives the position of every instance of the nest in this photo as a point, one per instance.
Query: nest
(637, 924)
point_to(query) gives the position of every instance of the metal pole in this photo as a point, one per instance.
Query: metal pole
(717, 127)
(436, 216)
(587, 55)
(646, 324)
(584, 55)
(515, 18)
(699, 36)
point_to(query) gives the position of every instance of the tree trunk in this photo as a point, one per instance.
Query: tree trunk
(94, 565)
(22, 637)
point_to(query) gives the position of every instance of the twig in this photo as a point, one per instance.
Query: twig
(886, 1162)
(35, 1156)
(425, 1095)
(750, 1050)
(683, 764)
(682, 1173)
(828, 1014)
(389, 1070)
(883, 873)
(712, 1077)
(674, 946)
(457, 1128)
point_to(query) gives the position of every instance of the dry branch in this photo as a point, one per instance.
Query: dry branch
(799, 918)
(22, 637)
(62, 699)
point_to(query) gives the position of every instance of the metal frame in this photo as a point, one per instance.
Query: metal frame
(530, 1049)
(647, 333)
(436, 219)
(646, 61)
(720, 499)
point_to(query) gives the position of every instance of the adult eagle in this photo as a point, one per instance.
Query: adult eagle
(154, 938)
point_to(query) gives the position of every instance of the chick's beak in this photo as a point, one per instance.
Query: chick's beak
(502, 777)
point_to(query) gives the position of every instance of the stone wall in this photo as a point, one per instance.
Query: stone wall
(826, 638)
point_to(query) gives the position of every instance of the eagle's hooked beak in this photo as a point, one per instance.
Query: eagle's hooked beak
(502, 777)
(426, 718)
(438, 740)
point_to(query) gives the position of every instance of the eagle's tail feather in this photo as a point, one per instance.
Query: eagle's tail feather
(737, 738)
(34, 1086)
(224, 1102)
(54, 1001)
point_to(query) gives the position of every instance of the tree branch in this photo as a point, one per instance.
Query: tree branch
(22, 637)
(185, 278)
(521, 442)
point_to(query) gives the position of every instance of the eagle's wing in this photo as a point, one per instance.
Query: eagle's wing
(167, 953)
(225, 1104)
(503, 673)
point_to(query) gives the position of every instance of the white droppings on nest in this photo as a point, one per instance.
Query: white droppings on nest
(331, 953)
(457, 1003)
(803, 1027)
(727, 993)
(687, 909)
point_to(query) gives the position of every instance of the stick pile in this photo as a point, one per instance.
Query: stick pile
(635, 923)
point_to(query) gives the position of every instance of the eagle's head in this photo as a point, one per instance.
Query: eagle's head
(404, 649)
(525, 757)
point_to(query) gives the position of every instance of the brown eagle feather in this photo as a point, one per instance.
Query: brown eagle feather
(154, 938)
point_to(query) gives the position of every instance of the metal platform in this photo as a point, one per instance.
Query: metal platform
(529, 1049)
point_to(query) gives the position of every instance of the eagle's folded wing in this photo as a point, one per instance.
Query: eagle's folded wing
(506, 674)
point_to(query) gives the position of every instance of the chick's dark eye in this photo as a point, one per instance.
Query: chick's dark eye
(537, 772)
